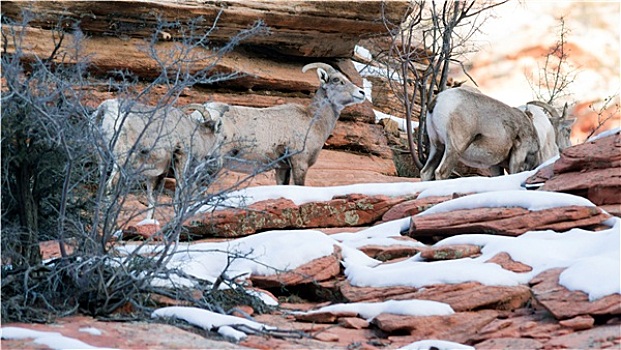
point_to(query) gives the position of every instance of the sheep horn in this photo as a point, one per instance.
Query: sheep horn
(328, 68)
(564, 115)
(199, 108)
(549, 109)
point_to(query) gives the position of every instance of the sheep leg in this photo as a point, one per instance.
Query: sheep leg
(434, 158)
(496, 170)
(151, 183)
(113, 179)
(456, 145)
(299, 174)
(517, 160)
(283, 176)
(181, 162)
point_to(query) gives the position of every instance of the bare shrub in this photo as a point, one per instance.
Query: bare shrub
(53, 184)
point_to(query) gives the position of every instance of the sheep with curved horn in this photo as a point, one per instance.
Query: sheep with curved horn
(289, 137)
(481, 132)
(560, 123)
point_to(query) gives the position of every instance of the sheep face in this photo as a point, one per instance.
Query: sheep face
(340, 91)
(561, 124)
(563, 132)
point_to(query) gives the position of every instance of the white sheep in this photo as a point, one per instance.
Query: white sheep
(481, 132)
(286, 137)
(554, 130)
(147, 141)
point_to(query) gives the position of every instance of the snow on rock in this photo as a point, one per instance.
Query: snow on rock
(53, 340)
(369, 311)
(530, 200)
(400, 121)
(206, 319)
(264, 253)
(436, 345)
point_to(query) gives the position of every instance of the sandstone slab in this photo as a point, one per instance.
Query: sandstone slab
(333, 168)
(591, 170)
(298, 28)
(579, 323)
(503, 259)
(319, 269)
(413, 207)
(357, 294)
(450, 252)
(359, 137)
(475, 296)
(566, 304)
(349, 210)
(391, 252)
(461, 297)
(325, 316)
(523, 323)
(509, 343)
(121, 335)
(505, 221)
(602, 337)
(459, 327)
(603, 153)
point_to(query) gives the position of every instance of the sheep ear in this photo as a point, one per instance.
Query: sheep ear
(568, 122)
(323, 75)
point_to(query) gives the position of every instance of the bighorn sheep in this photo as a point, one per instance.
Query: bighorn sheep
(286, 137)
(479, 131)
(547, 118)
(147, 140)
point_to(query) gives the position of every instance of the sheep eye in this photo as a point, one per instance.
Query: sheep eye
(336, 80)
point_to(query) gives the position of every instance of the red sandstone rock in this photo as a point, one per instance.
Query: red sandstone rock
(612, 209)
(317, 270)
(600, 186)
(297, 28)
(461, 297)
(353, 322)
(503, 259)
(51, 249)
(450, 252)
(509, 343)
(602, 153)
(602, 337)
(332, 168)
(459, 327)
(413, 207)
(142, 231)
(475, 296)
(121, 335)
(579, 323)
(324, 316)
(523, 323)
(349, 210)
(564, 304)
(326, 337)
(359, 137)
(391, 252)
(591, 170)
(357, 294)
(505, 221)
